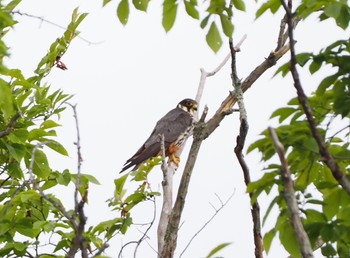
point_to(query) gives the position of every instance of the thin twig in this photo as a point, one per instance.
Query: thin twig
(10, 125)
(149, 227)
(289, 196)
(103, 247)
(205, 74)
(326, 157)
(144, 234)
(42, 19)
(78, 240)
(217, 210)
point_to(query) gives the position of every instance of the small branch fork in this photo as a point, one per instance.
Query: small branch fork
(289, 196)
(240, 141)
(326, 157)
(217, 210)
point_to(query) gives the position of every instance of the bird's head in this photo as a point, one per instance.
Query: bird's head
(188, 105)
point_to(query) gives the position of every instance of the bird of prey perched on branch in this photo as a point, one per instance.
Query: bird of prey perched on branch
(176, 126)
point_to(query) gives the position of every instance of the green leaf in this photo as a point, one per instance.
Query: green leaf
(41, 165)
(204, 22)
(17, 151)
(342, 98)
(267, 239)
(48, 124)
(24, 227)
(11, 5)
(227, 26)
(325, 83)
(105, 2)
(315, 66)
(28, 195)
(119, 185)
(19, 246)
(239, 5)
(217, 249)
(169, 14)
(56, 146)
(283, 69)
(283, 113)
(89, 178)
(302, 58)
(38, 134)
(328, 250)
(332, 9)
(310, 144)
(123, 11)
(216, 7)
(6, 100)
(344, 17)
(18, 136)
(141, 4)
(272, 5)
(191, 10)
(64, 178)
(213, 38)
(287, 238)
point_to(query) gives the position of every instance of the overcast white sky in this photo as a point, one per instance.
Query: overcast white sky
(131, 78)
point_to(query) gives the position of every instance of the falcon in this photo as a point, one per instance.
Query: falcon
(176, 126)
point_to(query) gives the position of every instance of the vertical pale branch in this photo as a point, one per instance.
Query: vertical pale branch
(240, 141)
(326, 157)
(167, 205)
(289, 196)
(78, 240)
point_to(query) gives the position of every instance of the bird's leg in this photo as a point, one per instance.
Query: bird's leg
(175, 159)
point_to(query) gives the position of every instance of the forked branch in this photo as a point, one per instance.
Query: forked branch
(326, 157)
(289, 196)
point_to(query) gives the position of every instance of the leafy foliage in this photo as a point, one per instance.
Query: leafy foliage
(322, 202)
(29, 113)
(215, 11)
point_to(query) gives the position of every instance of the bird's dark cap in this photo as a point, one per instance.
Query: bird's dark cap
(188, 102)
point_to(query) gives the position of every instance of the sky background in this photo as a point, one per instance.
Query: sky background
(128, 77)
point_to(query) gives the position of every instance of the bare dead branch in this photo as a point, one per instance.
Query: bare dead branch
(167, 185)
(217, 210)
(78, 240)
(240, 141)
(326, 157)
(205, 74)
(289, 196)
